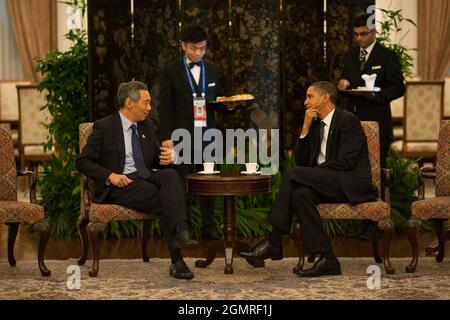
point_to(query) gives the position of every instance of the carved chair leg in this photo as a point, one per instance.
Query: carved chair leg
(82, 223)
(43, 228)
(94, 229)
(376, 246)
(439, 228)
(13, 228)
(298, 235)
(145, 237)
(388, 227)
(411, 230)
(312, 258)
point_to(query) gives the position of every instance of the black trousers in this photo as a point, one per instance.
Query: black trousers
(301, 189)
(162, 191)
(206, 203)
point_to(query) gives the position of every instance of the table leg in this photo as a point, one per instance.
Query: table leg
(229, 243)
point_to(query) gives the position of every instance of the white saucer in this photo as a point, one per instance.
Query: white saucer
(209, 172)
(375, 89)
(256, 172)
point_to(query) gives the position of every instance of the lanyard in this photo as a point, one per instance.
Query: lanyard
(188, 75)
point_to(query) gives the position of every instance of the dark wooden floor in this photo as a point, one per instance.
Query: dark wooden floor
(61, 249)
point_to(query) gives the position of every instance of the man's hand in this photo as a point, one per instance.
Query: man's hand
(167, 144)
(119, 180)
(166, 156)
(310, 115)
(343, 84)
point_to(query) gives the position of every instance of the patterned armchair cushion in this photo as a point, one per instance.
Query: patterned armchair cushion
(32, 117)
(373, 144)
(443, 160)
(434, 208)
(85, 132)
(108, 212)
(423, 111)
(7, 165)
(375, 211)
(9, 103)
(17, 211)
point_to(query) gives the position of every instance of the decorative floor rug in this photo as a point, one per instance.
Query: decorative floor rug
(134, 279)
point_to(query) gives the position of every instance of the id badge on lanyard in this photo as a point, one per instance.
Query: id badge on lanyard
(199, 102)
(199, 112)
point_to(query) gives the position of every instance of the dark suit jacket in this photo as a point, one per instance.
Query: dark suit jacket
(346, 153)
(104, 152)
(385, 64)
(176, 105)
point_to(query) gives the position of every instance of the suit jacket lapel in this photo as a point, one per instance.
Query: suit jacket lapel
(182, 73)
(315, 142)
(119, 139)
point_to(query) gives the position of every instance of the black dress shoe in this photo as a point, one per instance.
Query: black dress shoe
(211, 233)
(180, 270)
(262, 251)
(323, 267)
(183, 240)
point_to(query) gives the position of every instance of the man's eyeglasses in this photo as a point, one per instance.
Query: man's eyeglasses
(362, 34)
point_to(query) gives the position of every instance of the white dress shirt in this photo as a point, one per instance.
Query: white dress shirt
(195, 71)
(323, 145)
(368, 50)
(130, 166)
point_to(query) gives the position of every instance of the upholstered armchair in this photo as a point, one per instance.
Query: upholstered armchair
(94, 217)
(378, 211)
(438, 208)
(13, 212)
(32, 132)
(423, 109)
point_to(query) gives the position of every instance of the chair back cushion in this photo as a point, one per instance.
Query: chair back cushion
(32, 118)
(9, 103)
(85, 132)
(443, 160)
(423, 110)
(373, 143)
(7, 165)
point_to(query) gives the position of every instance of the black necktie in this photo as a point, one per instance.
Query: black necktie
(321, 131)
(362, 59)
(138, 156)
(192, 64)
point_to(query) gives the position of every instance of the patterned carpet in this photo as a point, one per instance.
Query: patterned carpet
(134, 279)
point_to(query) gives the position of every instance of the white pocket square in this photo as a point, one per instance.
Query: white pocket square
(212, 84)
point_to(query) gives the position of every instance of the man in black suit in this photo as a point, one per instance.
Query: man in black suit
(183, 83)
(332, 167)
(370, 57)
(120, 156)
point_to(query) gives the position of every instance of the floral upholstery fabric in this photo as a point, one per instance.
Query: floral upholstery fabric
(375, 211)
(9, 102)
(18, 211)
(108, 212)
(443, 160)
(7, 165)
(434, 208)
(423, 111)
(105, 212)
(31, 117)
(373, 144)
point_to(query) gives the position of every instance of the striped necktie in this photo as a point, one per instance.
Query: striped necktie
(362, 59)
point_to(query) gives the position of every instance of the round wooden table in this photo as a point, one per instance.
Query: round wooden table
(228, 185)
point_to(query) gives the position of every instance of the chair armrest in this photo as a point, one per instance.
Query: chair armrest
(425, 173)
(32, 178)
(75, 173)
(385, 184)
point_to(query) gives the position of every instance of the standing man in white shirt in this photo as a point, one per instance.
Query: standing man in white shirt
(186, 86)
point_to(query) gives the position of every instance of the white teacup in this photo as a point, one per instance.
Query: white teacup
(208, 166)
(251, 167)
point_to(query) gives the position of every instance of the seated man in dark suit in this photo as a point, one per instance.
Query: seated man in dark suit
(120, 156)
(332, 167)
